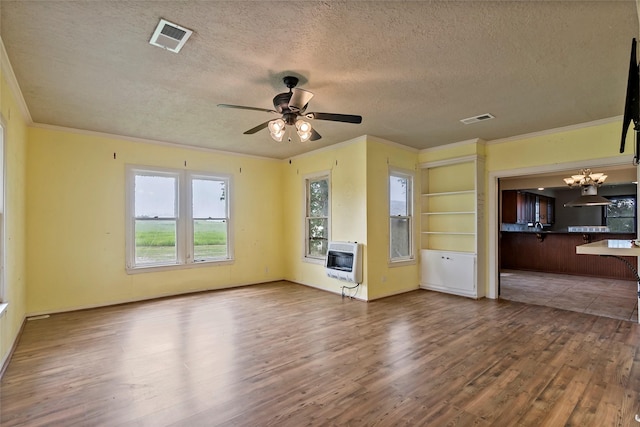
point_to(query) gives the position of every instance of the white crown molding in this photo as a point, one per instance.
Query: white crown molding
(328, 148)
(362, 138)
(12, 82)
(452, 145)
(148, 141)
(391, 143)
(557, 130)
(451, 161)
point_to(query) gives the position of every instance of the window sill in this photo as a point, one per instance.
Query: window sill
(314, 260)
(158, 268)
(402, 263)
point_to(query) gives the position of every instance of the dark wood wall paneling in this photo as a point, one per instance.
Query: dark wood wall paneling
(556, 253)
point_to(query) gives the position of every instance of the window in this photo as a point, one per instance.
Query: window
(400, 216)
(177, 218)
(317, 193)
(620, 215)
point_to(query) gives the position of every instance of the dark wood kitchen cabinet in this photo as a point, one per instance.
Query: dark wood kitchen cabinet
(545, 210)
(518, 207)
(551, 210)
(521, 207)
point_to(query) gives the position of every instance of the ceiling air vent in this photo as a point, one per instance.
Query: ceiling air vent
(476, 119)
(170, 36)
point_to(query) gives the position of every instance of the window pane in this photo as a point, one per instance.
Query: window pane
(209, 198)
(209, 239)
(319, 198)
(621, 225)
(398, 200)
(155, 241)
(624, 207)
(155, 196)
(621, 214)
(318, 236)
(400, 238)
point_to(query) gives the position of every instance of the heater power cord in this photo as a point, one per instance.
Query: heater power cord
(350, 287)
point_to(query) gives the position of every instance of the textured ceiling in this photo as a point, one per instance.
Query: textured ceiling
(411, 69)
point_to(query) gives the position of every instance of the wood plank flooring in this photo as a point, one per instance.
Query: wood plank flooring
(603, 297)
(282, 354)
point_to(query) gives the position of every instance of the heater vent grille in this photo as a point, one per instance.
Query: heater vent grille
(170, 36)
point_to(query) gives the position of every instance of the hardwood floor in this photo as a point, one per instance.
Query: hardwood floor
(281, 354)
(603, 297)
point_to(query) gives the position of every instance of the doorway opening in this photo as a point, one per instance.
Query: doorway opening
(531, 254)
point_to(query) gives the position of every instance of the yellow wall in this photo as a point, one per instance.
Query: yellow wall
(15, 219)
(383, 279)
(76, 221)
(359, 212)
(347, 165)
(587, 143)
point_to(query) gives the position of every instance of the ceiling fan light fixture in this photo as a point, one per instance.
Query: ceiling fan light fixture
(303, 130)
(303, 126)
(277, 136)
(276, 125)
(277, 129)
(304, 136)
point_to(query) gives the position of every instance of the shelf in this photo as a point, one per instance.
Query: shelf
(449, 242)
(449, 213)
(449, 193)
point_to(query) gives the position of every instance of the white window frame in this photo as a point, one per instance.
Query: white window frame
(410, 177)
(184, 218)
(307, 179)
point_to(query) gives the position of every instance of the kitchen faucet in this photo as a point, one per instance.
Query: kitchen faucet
(538, 224)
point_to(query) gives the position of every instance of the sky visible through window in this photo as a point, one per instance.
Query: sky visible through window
(155, 197)
(398, 196)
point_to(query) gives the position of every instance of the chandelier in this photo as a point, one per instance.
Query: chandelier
(588, 183)
(586, 178)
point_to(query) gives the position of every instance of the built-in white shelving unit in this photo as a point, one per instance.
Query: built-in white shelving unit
(451, 227)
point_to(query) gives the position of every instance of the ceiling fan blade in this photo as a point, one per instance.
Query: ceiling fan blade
(345, 118)
(242, 107)
(299, 98)
(314, 135)
(257, 128)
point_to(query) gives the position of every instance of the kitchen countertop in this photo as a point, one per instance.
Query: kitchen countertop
(609, 247)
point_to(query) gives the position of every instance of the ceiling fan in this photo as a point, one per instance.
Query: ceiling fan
(292, 107)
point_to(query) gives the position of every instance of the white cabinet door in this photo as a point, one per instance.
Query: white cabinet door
(452, 272)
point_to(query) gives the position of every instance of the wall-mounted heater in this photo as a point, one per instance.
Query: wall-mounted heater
(344, 261)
